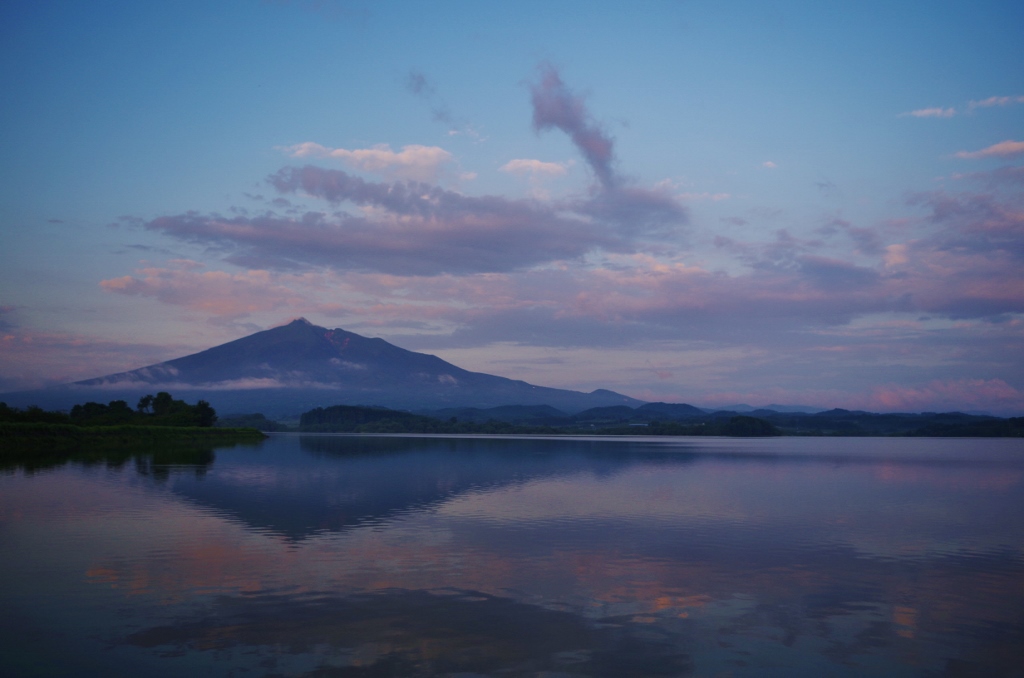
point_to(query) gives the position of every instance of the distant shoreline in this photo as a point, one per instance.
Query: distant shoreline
(658, 419)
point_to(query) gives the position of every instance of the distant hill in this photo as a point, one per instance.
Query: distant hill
(679, 419)
(545, 415)
(513, 414)
(807, 409)
(300, 366)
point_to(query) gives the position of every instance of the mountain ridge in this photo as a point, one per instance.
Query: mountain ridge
(297, 366)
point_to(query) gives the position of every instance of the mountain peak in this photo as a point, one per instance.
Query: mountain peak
(299, 365)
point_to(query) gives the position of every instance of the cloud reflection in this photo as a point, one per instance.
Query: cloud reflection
(600, 543)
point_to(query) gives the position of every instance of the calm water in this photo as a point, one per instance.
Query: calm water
(400, 556)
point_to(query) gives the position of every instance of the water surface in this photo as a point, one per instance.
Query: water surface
(416, 556)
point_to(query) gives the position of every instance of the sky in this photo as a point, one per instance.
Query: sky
(762, 202)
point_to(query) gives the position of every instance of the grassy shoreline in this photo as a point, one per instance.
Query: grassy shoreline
(19, 437)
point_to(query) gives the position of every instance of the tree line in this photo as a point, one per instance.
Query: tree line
(159, 410)
(356, 419)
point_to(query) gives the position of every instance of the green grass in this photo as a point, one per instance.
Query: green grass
(18, 438)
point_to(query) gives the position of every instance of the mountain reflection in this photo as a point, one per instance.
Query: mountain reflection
(337, 482)
(299, 486)
(379, 556)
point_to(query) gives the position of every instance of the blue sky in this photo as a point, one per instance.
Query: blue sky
(687, 201)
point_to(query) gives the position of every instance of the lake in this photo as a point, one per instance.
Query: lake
(349, 556)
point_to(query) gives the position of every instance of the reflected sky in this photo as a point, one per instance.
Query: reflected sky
(334, 555)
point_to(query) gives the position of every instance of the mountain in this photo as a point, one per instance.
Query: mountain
(299, 366)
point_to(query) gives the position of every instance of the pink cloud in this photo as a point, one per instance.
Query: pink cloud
(34, 359)
(527, 166)
(996, 101)
(970, 394)
(991, 395)
(406, 227)
(968, 267)
(1004, 149)
(415, 162)
(214, 292)
(417, 228)
(937, 112)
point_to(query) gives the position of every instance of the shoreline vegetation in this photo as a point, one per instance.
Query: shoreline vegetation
(353, 419)
(161, 422)
(126, 434)
(158, 423)
(658, 419)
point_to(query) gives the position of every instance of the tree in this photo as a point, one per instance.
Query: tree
(204, 414)
(164, 404)
(163, 410)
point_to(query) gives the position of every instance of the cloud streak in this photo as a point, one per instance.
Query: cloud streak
(471, 260)
(949, 112)
(1004, 149)
(958, 394)
(555, 106)
(632, 209)
(420, 86)
(996, 101)
(528, 166)
(418, 163)
(34, 359)
(936, 112)
(414, 227)
(404, 227)
(214, 292)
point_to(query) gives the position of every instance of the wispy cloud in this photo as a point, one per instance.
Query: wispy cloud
(418, 228)
(1007, 175)
(935, 112)
(6, 314)
(420, 85)
(960, 394)
(419, 163)
(631, 208)
(996, 101)
(33, 359)
(214, 292)
(556, 106)
(942, 395)
(427, 255)
(404, 227)
(949, 112)
(417, 83)
(527, 166)
(1004, 149)
(895, 255)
